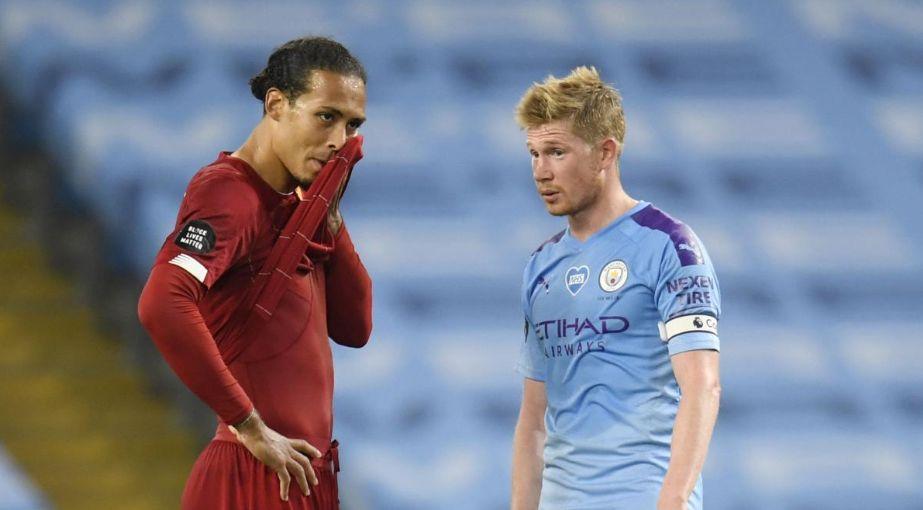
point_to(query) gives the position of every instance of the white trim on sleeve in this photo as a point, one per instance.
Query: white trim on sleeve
(191, 265)
(687, 324)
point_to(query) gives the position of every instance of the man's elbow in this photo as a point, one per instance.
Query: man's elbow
(360, 336)
(714, 391)
(710, 390)
(363, 325)
(147, 309)
(704, 390)
(356, 334)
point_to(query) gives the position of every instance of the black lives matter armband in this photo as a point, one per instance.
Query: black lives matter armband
(196, 236)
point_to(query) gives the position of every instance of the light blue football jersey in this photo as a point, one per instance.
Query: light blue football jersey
(603, 317)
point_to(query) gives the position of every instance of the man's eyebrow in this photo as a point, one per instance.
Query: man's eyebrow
(338, 113)
(547, 142)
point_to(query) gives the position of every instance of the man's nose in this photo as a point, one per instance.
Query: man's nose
(337, 139)
(540, 170)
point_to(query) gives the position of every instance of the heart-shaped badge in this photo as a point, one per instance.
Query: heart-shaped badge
(575, 278)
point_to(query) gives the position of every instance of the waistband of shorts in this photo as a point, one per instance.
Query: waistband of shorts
(332, 457)
(329, 460)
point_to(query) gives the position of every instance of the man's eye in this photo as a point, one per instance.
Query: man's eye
(354, 125)
(324, 116)
(557, 152)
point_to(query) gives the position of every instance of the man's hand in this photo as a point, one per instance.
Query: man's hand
(285, 456)
(671, 502)
(334, 218)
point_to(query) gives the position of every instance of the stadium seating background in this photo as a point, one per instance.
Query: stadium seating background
(788, 134)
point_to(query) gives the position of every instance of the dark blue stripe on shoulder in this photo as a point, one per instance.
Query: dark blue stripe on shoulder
(687, 249)
(555, 238)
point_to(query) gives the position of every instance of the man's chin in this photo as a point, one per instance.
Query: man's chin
(557, 210)
(305, 180)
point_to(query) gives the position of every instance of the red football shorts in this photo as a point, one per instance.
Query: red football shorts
(227, 477)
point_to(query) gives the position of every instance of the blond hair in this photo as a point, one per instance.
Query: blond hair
(593, 106)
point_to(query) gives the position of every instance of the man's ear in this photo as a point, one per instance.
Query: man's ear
(609, 151)
(274, 103)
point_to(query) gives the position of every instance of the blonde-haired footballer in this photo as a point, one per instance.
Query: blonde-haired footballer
(621, 308)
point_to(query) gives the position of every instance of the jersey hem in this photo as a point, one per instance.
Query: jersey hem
(530, 373)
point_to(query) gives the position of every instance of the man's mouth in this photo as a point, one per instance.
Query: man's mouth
(549, 194)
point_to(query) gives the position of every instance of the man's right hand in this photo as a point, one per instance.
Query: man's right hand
(287, 457)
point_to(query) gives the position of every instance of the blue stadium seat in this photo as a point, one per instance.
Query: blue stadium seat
(120, 145)
(123, 43)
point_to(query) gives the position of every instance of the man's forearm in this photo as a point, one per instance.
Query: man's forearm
(692, 433)
(527, 468)
(349, 295)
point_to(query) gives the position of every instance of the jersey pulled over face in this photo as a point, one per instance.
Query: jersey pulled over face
(602, 318)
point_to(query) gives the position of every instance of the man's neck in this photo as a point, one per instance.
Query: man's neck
(257, 152)
(607, 208)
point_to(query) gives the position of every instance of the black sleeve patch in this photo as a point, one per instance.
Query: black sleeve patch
(196, 236)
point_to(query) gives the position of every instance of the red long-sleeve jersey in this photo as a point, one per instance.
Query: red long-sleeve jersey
(227, 224)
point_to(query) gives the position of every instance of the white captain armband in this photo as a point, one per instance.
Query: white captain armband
(191, 265)
(687, 324)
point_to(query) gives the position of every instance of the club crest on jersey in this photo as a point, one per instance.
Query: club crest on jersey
(613, 276)
(575, 278)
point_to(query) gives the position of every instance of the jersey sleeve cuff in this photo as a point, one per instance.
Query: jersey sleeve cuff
(530, 372)
(240, 415)
(694, 341)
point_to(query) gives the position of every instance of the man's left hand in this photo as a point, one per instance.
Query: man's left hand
(334, 220)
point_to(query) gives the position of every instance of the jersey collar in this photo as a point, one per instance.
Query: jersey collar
(573, 242)
(270, 197)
